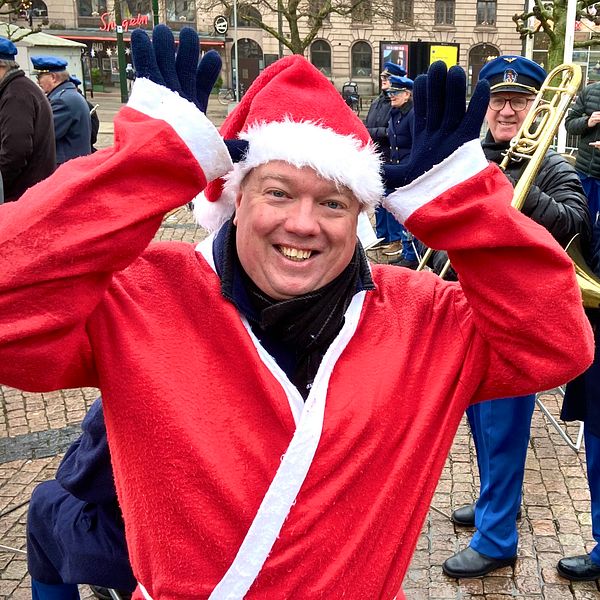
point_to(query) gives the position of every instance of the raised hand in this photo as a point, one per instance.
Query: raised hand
(156, 60)
(442, 121)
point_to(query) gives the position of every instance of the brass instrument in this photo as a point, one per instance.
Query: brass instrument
(531, 143)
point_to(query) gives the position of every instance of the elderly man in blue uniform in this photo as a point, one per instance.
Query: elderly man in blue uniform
(72, 122)
(400, 136)
(501, 428)
(75, 530)
(388, 229)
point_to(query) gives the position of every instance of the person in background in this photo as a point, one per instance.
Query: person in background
(387, 228)
(581, 404)
(93, 112)
(501, 428)
(70, 111)
(400, 136)
(583, 120)
(75, 530)
(27, 151)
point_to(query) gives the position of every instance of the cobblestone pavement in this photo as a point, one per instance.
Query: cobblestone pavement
(35, 429)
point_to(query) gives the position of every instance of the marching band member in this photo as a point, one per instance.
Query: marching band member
(271, 431)
(501, 428)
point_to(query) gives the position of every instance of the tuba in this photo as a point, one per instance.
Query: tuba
(531, 144)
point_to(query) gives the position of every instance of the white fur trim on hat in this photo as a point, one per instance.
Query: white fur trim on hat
(342, 159)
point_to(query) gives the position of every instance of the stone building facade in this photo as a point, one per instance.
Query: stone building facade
(346, 48)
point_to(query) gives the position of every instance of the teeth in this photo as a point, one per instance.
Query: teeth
(295, 253)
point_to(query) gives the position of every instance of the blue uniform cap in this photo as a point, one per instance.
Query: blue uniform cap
(48, 64)
(390, 68)
(513, 74)
(400, 83)
(75, 80)
(7, 49)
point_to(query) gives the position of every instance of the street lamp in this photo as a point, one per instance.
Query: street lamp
(121, 51)
(236, 60)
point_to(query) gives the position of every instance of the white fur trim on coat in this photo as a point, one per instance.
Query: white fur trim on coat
(190, 124)
(462, 164)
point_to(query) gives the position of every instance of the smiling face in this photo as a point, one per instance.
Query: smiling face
(400, 98)
(296, 232)
(506, 122)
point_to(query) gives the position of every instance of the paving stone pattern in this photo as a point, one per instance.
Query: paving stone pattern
(36, 428)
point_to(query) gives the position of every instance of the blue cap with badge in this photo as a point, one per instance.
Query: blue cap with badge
(400, 83)
(390, 68)
(513, 74)
(7, 49)
(48, 64)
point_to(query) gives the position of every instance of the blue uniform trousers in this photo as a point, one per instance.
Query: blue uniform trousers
(386, 226)
(501, 431)
(592, 455)
(70, 541)
(591, 187)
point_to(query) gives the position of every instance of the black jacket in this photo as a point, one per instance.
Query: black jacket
(377, 123)
(588, 157)
(27, 151)
(556, 200)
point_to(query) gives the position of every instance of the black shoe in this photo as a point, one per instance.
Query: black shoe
(465, 516)
(578, 568)
(469, 563)
(103, 594)
(408, 264)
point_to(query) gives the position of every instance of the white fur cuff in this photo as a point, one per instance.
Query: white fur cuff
(190, 124)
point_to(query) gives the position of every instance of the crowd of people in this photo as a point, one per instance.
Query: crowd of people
(259, 435)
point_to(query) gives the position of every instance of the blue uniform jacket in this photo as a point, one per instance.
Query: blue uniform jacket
(72, 122)
(400, 132)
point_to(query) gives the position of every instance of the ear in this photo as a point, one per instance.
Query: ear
(238, 201)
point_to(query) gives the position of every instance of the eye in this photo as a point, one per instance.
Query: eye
(333, 204)
(277, 193)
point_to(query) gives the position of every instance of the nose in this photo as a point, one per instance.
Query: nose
(301, 218)
(507, 111)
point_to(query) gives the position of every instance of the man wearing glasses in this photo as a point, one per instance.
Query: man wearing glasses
(500, 428)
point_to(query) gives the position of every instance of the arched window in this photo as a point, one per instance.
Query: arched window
(248, 49)
(247, 16)
(361, 59)
(39, 8)
(478, 56)
(182, 11)
(320, 56)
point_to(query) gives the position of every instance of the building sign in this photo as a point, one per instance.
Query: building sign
(221, 25)
(107, 25)
(447, 54)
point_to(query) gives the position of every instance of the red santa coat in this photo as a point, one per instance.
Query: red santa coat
(232, 486)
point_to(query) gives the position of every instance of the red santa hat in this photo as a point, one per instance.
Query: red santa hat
(293, 113)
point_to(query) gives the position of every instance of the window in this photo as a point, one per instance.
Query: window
(361, 59)
(39, 8)
(444, 12)
(181, 11)
(314, 7)
(403, 11)
(486, 12)
(133, 8)
(246, 16)
(361, 13)
(320, 56)
(91, 8)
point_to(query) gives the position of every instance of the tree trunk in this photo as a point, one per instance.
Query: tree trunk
(556, 49)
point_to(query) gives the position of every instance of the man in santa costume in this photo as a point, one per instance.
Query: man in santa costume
(278, 411)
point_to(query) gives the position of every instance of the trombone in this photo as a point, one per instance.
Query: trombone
(531, 144)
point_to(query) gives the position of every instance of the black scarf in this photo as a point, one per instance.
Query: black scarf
(296, 332)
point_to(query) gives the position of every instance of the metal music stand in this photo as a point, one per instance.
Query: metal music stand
(574, 445)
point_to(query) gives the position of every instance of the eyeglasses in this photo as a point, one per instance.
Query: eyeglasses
(384, 76)
(392, 93)
(518, 103)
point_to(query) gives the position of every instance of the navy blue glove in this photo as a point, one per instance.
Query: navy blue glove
(442, 122)
(156, 60)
